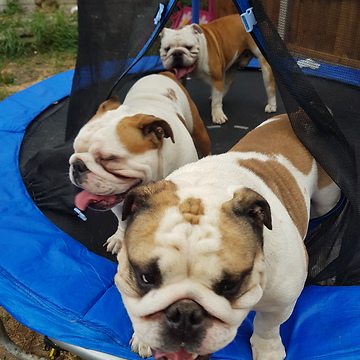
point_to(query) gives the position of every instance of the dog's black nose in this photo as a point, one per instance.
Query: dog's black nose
(177, 56)
(79, 171)
(79, 166)
(184, 326)
(185, 315)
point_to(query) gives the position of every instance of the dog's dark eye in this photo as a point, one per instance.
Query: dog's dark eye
(189, 47)
(228, 288)
(230, 285)
(167, 49)
(147, 277)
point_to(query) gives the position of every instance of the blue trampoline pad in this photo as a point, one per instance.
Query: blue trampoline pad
(55, 286)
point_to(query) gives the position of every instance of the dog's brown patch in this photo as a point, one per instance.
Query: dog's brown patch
(277, 138)
(222, 48)
(131, 135)
(111, 104)
(140, 234)
(324, 179)
(239, 242)
(170, 94)
(181, 119)
(192, 209)
(169, 74)
(279, 179)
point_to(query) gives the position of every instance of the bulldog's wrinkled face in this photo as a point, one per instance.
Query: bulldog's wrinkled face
(191, 266)
(115, 151)
(179, 49)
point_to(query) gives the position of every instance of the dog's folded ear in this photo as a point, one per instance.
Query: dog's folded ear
(196, 29)
(133, 199)
(157, 129)
(111, 104)
(250, 203)
(139, 197)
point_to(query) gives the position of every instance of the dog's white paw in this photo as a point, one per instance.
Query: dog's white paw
(270, 108)
(139, 347)
(267, 349)
(218, 117)
(114, 243)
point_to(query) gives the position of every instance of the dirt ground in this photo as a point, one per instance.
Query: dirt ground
(25, 74)
(26, 339)
(17, 76)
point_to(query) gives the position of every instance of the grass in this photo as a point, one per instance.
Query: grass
(23, 34)
(36, 39)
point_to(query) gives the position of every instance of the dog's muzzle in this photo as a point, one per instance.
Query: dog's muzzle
(184, 319)
(177, 58)
(183, 326)
(180, 69)
(79, 171)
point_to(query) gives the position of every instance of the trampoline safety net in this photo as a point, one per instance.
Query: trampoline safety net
(324, 109)
(324, 112)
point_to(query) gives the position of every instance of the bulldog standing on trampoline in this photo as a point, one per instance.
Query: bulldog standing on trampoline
(218, 238)
(213, 52)
(156, 130)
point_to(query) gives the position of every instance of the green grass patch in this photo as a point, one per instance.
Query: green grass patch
(12, 7)
(57, 32)
(34, 46)
(23, 34)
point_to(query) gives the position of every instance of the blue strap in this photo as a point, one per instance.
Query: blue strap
(195, 11)
(160, 18)
(313, 223)
(247, 14)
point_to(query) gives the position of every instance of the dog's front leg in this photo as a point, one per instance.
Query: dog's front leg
(269, 83)
(138, 347)
(217, 113)
(266, 342)
(114, 242)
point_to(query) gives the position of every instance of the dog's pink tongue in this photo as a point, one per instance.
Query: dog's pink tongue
(179, 355)
(84, 198)
(181, 72)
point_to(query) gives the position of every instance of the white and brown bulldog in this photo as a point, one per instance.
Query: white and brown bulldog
(147, 137)
(218, 238)
(213, 52)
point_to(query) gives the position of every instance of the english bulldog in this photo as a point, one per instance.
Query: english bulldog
(213, 52)
(218, 238)
(156, 130)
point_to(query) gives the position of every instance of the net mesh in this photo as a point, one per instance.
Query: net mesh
(324, 112)
(111, 35)
(323, 104)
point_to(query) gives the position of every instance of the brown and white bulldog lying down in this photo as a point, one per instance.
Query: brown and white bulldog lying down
(144, 139)
(213, 52)
(218, 238)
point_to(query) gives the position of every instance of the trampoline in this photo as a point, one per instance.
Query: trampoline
(55, 276)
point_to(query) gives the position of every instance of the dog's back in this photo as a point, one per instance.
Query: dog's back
(166, 97)
(276, 139)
